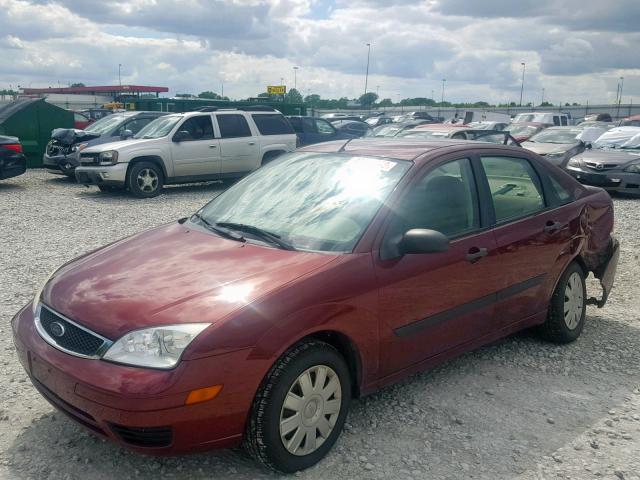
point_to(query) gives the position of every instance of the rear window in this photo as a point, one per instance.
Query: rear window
(272, 124)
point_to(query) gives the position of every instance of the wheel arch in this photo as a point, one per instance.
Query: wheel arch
(155, 159)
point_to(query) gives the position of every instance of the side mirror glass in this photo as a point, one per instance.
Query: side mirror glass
(422, 240)
(124, 134)
(181, 136)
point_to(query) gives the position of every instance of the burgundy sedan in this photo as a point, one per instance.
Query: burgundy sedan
(323, 276)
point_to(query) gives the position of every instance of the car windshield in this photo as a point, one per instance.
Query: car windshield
(384, 131)
(556, 136)
(424, 134)
(313, 201)
(105, 124)
(521, 129)
(159, 127)
(524, 117)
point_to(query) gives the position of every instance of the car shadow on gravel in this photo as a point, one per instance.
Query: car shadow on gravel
(494, 412)
(9, 187)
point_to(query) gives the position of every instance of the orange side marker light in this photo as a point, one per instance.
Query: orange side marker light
(203, 394)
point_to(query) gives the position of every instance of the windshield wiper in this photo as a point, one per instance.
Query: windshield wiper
(259, 232)
(219, 231)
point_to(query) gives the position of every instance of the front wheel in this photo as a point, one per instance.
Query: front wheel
(300, 409)
(145, 180)
(568, 307)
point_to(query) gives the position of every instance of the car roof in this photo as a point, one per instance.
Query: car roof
(399, 148)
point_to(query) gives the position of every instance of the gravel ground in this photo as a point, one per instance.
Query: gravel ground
(520, 408)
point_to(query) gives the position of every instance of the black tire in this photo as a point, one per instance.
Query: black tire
(145, 191)
(556, 328)
(262, 439)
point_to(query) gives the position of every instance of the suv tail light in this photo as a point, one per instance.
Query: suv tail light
(16, 147)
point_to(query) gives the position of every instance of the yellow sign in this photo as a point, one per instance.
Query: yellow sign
(276, 89)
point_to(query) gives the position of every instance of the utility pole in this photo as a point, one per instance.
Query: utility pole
(119, 77)
(522, 84)
(221, 88)
(542, 99)
(295, 77)
(442, 97)
(620, 96)
(366, 76)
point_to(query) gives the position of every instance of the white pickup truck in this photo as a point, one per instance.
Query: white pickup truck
(209, 144)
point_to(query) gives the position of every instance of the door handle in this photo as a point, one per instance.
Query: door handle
(476, 254)
(552, 227)
(252, 143)
(213, 146)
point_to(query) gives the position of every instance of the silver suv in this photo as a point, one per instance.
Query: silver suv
(209, 144)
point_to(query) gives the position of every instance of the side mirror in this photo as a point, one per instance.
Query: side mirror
(588, 146)
(181, 136)
(422, 240)
(124, 134)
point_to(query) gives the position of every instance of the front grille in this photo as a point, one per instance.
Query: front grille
(55, 148)
(70, 337)
(152, 437)
(600, 166)
(89, 159)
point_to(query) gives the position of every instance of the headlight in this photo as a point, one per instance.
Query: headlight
(574, 162)
(109, 157)
(633, 168)
(157, 347)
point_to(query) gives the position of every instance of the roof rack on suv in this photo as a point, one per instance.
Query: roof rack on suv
(207, 109)
(257, 108)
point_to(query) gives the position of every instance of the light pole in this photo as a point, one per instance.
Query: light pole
(620, 97)
(295, 77)
(221, 88)
(542, 98)
(366, 76)
(442, 97)
(522, 84)
(119, 77)
(377, 89)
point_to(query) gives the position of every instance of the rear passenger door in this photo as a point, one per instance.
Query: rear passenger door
(239, 149)
(531, 235)
(198, 154)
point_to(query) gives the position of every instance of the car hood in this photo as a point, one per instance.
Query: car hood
(169, 275)
(547, 148)
(609, 157)
(119, 145)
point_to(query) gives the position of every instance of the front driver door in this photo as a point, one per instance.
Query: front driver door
(198, 154)
(430, 303)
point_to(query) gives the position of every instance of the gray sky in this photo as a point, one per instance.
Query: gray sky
(575, 49)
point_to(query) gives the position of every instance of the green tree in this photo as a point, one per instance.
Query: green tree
(546, 104)
(368, 99)
(312, 100)
(209, 95)
(385, 103)
(79, 84)
(293, 96)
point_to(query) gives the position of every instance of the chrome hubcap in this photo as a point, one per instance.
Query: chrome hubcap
(147, 180)
(310, 410)
(573, 301)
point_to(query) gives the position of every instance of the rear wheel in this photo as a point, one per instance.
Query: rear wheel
(145, 180)
(567, 310)
(300, 409)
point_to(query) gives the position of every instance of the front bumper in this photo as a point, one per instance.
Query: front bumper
(138, 408)
(621, 182)
(110, 175)
(12, 166)
(61, 164)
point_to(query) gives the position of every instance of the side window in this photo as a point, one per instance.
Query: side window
(272, 124)
(233, 126)
(199, 128)
(445, 200)
(556, 120)
(563, 120)
(296, 123)
(515, 187)
(324, 127)
(563, 195)
(309, 125)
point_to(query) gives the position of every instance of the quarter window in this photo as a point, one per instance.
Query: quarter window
(272, 124)
(515, 187)
(233, 126)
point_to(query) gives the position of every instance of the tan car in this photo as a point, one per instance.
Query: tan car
(188, 147)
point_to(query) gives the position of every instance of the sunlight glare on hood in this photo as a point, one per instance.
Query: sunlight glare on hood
(235, 293)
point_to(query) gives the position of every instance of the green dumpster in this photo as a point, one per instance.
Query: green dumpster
(31, 120)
